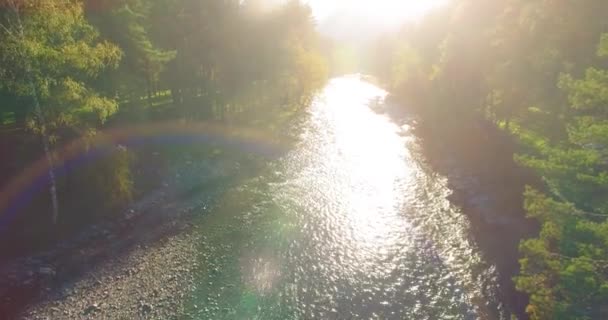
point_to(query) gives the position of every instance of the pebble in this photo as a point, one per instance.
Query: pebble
(92, 308)
(112, 293)
(146, 308)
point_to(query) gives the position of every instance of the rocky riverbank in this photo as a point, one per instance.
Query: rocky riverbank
(147, 283)
(477, 160)
(488, 185)
(134, 265)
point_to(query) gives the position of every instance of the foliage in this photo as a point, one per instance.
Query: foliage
(72, 69)
(108, 181)
(49, 52)
(534, 69)
(128, 24)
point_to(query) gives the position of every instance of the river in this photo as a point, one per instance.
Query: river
(349, 224)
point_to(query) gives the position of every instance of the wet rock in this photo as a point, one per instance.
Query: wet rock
(92, 309)
(145, 308)
(130, 214)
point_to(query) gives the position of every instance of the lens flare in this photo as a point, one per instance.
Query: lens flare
(19, 192)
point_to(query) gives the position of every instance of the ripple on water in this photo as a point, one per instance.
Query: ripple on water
(354, 226)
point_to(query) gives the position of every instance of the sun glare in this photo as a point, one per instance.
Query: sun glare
(385, 11)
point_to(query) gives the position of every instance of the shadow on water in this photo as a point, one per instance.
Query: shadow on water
(478, 162)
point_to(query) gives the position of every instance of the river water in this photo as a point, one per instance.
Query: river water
(349, 224)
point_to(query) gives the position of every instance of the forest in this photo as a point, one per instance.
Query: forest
(74, 70)
(537, 70)
(82, 80)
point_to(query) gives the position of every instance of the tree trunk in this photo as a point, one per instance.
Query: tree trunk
(52, 179)
(149, 90)
(149, 84)
(46, 145)
(49, 158)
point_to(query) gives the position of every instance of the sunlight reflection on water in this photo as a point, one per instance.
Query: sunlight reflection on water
(351, 226)
(366, 170)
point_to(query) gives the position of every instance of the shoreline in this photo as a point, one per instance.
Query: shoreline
(487, 185)
(88, 278)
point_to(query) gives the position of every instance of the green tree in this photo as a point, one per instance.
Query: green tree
(127, 24)
(532, 68)
(572, 249)
(49, 53)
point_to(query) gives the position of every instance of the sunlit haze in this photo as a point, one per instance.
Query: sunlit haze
(304, 159)
(357, 21)
(385, 11)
